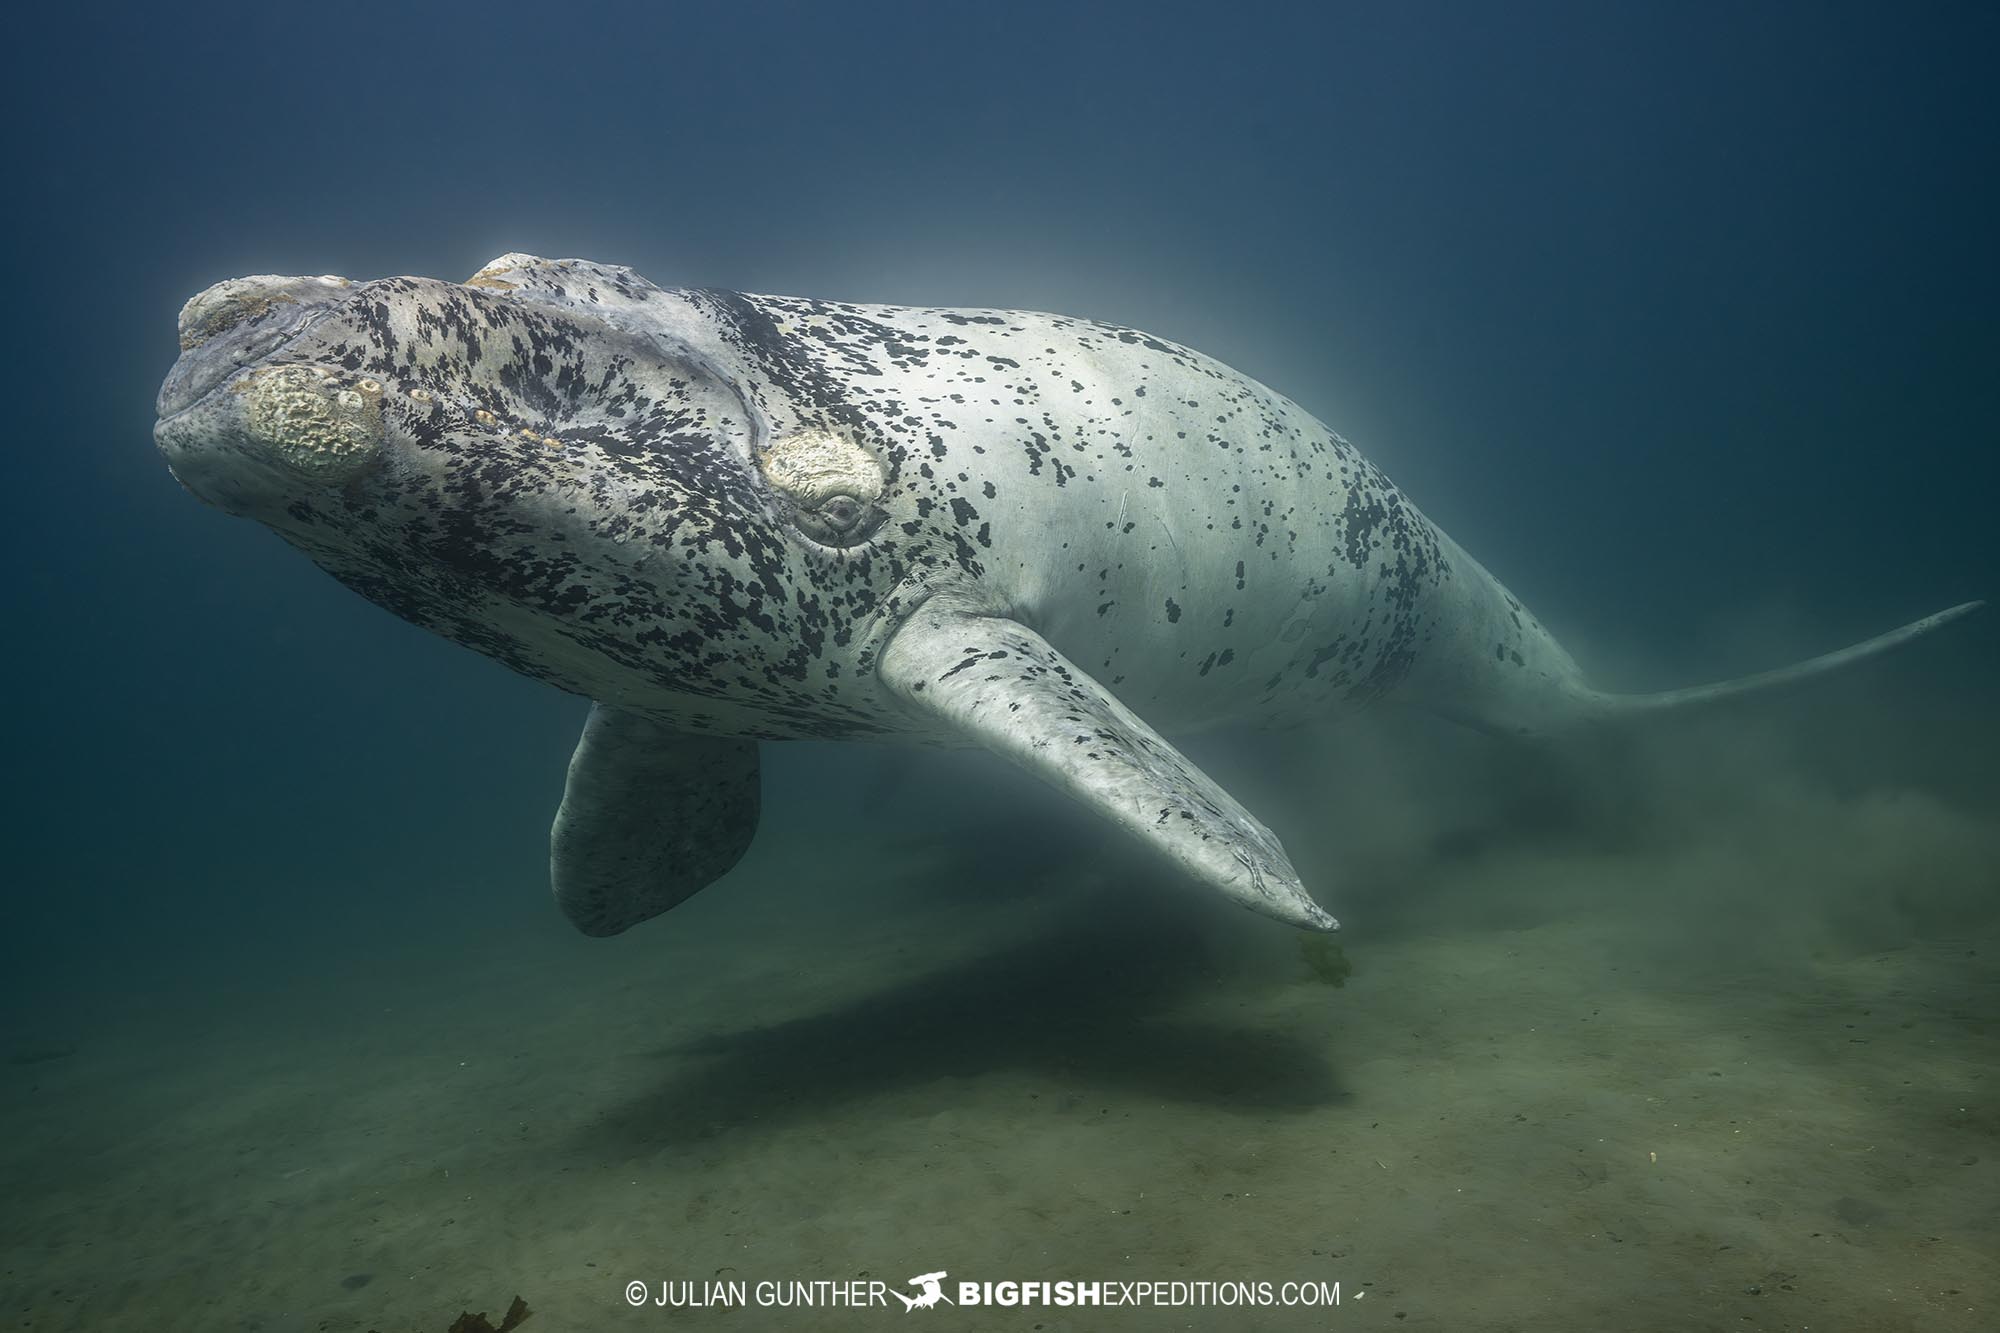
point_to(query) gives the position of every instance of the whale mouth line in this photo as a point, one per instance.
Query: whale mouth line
(208, 366)
(203, 395)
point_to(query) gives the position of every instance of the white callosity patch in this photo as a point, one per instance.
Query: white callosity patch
(815, 466)
(495, 274)
(311, 419)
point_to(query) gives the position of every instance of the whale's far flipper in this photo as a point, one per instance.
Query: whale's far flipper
(1617, 706)
(649, 817)
(1001, 685)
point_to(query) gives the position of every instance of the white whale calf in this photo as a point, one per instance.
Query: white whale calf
(729, 518)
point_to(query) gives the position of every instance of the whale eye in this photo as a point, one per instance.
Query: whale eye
(840, 512)
(839, 520)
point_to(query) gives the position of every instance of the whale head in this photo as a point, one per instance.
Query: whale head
(595, 504)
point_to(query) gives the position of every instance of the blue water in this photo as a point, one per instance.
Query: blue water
(1681, 318)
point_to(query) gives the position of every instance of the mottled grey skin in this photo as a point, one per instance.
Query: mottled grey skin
(728, 518)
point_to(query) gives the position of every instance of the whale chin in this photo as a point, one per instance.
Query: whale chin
(256, 444)
(248, 433)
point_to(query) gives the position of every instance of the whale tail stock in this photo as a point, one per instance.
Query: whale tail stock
(1603, 707)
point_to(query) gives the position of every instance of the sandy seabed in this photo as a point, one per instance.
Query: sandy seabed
(1580, 1106)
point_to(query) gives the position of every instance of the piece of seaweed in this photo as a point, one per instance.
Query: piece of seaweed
(467, 1322)
(517, 1314)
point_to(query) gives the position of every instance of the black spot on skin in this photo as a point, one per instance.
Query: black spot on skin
(972, 660)
(1173, 612)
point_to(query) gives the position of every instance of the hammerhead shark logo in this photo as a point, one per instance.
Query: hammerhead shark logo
(932, 1293)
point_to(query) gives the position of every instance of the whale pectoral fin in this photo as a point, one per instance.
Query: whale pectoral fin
(1000, 684)
(650, 816)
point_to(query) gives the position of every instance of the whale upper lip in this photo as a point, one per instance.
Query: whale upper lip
(179, 399)
(213, 361)
(202, 370)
